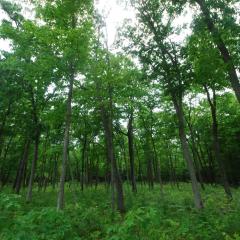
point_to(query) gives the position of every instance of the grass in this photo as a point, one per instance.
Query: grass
(149, 216)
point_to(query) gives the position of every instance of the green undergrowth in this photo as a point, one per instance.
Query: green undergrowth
(149, 215)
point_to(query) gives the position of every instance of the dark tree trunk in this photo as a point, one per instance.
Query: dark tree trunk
(131, 153)
(83, 161)
(34, 163)
(2, 126)
(158, 165)
(140, 174)
(123, 163)
(21, 167)
(97, 170)
(216, 142)
(115, 176)
(44, 162)
(211, 163)
(60, 201)
(196, 162)
(218, 40)
(55, 171)
(170, 169)
(107, 118)
(198, 168)
(149, 160)
(195, 152)
(4, 177)
(87, 167)
(186, 152)
(207, 160)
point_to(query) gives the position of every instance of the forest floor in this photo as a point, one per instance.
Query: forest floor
(149, 216)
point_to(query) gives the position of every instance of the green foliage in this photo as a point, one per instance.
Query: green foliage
(137, 223)
(149, 216)
(40, 225)
(64, 42)
(9, 202)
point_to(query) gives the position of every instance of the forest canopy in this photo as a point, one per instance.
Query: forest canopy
(146, 116)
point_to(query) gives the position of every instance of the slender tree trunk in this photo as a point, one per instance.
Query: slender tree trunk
(131, 153)
(140, 175)
(207, 160)
(124, 168)
(25, 177)
(55, 170)
(115, 176)
(21, 167)
(170, 166)
(44, 160)
(174, 162)
(196, 163)
(195, 153)
(2, 126)
(149, 160)
(198, 168)
(87, 167)
(218, 40)
(60, 201)
(158, 165)
(186, 152)
(216, 143)
(107, 118)
(210, 163)
(33, 168)
(83, 161)
(97, 170)
(3, 170)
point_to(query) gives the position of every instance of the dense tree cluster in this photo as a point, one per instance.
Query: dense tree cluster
(73, 112)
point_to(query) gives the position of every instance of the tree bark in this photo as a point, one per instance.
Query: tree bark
(2, 126)
(115, 176)
(186, 152)
(21, 167)
(216, 142)
(131, 153)
(149, 160)
(60, 201)
(158, 165)
(4, 163)
(33, 168)
(218, 40)
(83, 161)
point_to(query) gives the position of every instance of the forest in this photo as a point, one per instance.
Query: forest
(134, 140)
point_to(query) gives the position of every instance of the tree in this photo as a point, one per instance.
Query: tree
(71, 22)
(211, 81)
(211, 12)
(162, 59)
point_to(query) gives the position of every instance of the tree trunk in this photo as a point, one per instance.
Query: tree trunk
(83, 161)
(226, 56)
(131, 153)
(21, 167)
(196, 157)
(140, 175)
(4, 163)
(33, 168)
(149, 160)
(216, 143)
(158, 165)
(60, 201)
(2, 126)
(55, 170)
(44, 162)
(115, 177)
(196, 162)
(186, 152)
